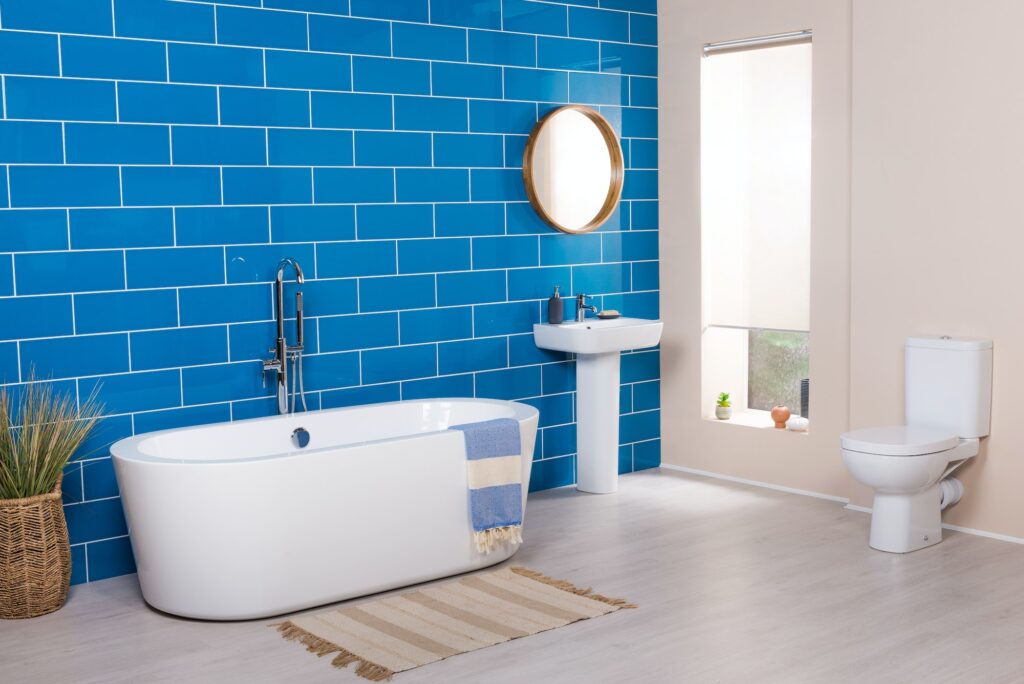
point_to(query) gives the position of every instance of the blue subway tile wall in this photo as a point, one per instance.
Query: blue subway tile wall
(158, 157)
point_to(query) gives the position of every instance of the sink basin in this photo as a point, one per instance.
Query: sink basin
(597, 344)
(595, 336)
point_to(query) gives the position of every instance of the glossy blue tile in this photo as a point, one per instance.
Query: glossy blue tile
(363, 331)
(505, 252)
(381, 221)
(31, 142)
(106, 431)
(472, 355)
(352, 110)
(116, 144)
(466, 80)
(330, 297)
(64, 186)
(433, 256)
(312, 223)
(347, 259)
(639, 123)
(568, 53)
(643, 154)
(639, 60)
(645, 275)
(468, 150)
(505, 319)
(68, 357)
(321, 6)
(392, 149)
(636, 427)
(433, 388)
(497, 185)
(115, 228)
(166, 185)
(570, 249)
(115, 58)
(179, 347)
(647, 454)
(261, 28)
(78, 565)
(9, 371)
(640, 366)
(53, 272)
(513, 383)
(249, 341)
(470, 288)
(6, 276)
(406, 10)
(164, 19)
(289, 69)
(179, 417)
(351, 36)
(273, 185)
(559, 377)
(173, 267)
(396, 292)
(264, 107)
(644, 215)
(215, 64)
(359, 396)
(472, 13)
(496, 47)
(602, 24)
(646, 395)
(640, 185)
(552, 473)
(136, 310)
(328, 371)
(454, 220)
(59, 16)
(220, 225)
(598, 89)
(641, 245)
(353, 185)
(399, 363)
(224, 382)
(432, 185)
(216, 145)
(135, 391)
(436, 325)
(386, 75)
(35, 317)
(643, 28)
(554, 409)
(258, 263)
(536, 283)
(297, 147)
(487, 116)
(110, 558)
(419, 41)
(431, 114)
(559, 441)
(647, 6)
(601, 279)
(166, 103)
(29, 53)
(95, 520)
(643, 92)
(525, 16)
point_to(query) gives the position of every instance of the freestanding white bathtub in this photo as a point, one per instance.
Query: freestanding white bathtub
(233, 521)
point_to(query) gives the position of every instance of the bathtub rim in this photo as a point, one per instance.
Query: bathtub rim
(127, 449)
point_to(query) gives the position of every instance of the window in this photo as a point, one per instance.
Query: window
(755, 222)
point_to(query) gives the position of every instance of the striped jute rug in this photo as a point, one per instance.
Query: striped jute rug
(402, 632)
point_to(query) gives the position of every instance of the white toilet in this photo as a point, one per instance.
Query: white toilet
(948, 397)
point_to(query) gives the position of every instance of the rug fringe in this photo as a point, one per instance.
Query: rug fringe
(569, 587)
(314, 644)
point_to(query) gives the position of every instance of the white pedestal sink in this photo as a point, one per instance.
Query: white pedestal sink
(597, 344)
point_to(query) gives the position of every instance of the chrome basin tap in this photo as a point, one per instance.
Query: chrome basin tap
(582, 307)
(282, 351)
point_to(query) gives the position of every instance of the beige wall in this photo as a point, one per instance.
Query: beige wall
(804, 461)
(935, 246)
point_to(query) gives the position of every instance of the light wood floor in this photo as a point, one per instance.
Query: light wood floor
(734, 584)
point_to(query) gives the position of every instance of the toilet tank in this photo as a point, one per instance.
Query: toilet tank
(949, 384)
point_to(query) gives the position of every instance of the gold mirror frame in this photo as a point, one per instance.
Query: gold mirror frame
(617, 170)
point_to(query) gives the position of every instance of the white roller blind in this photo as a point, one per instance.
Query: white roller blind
(756, 187)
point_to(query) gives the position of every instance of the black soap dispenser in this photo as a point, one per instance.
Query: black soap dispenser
(556, 309)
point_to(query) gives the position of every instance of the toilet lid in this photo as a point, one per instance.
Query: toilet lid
(899, 440)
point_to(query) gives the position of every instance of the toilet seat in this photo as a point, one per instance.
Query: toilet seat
(899, 440)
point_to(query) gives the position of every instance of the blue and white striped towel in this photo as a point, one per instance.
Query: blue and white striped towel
(494, 470)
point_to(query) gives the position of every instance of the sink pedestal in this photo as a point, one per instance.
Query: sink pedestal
(597, 422)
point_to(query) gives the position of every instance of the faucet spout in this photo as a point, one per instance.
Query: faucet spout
(283, 352)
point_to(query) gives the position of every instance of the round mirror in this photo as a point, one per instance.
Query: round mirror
(573, 169)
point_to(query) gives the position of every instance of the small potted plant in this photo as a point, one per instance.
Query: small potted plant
(723, 407)
(40, 430)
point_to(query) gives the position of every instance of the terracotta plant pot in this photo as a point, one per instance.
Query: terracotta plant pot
(780, 414)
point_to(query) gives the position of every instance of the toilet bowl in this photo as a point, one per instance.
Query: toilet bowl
(948, 391)
(907, 467)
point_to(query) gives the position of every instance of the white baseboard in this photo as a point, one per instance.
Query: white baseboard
(958, 528)
(755, 483)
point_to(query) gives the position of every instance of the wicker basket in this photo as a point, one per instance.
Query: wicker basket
(35, 559)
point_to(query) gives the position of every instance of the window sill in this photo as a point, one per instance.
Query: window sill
(752, 418)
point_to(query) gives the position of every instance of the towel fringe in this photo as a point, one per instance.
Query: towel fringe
(489, 540)
(569, 587)
(314, 644)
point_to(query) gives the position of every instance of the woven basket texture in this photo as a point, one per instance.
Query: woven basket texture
(35, 559)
